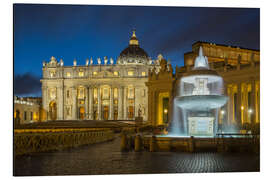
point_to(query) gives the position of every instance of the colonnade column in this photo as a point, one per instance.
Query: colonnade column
(125, 103)
(120, 103)
(239, 104)
(90, 103)
(99, 104)
(74, 103)
(111, 104)
(229, 111)
(252, 102)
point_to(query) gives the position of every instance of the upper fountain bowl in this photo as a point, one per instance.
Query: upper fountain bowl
(201, 102)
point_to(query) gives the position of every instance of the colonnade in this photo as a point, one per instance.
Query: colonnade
(243, 103)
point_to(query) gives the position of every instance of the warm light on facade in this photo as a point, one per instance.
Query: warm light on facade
(250, 111)
(68, 74)
(165, 111)
(81, 73)
(242, 107)
(130, 73)
(115, 73)
(222, 112)
(143, 73)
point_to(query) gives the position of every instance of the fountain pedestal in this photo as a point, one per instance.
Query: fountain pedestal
(201, 126)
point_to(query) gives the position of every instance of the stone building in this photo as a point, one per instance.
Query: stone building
(136, 85)
(107, 90)
(240, 69)
(27, 110)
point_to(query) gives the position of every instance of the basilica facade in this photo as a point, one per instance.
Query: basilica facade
(135, 85)
(105, 90)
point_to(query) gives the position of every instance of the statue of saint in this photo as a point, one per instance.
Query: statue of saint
(139, 111)
(105, 60)
(91, 61)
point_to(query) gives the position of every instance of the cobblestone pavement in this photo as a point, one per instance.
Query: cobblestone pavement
(106, 158)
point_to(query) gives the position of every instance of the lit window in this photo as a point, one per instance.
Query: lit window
(130, 93)
(68, 74)
(95, 73)
(115, 93)
(130, 73)
(105, 93)
(115, 73)
(81, 74)
(81, 93)
(143, 73)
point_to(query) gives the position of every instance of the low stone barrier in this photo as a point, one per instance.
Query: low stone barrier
(191, 144)
(25, 143)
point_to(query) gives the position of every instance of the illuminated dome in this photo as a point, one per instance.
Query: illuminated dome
(133, 54)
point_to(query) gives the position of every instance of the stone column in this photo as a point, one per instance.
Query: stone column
(87, 103)
(99, 104)
(229, 111)
(239, 104)
(154, 108)
(120, 103)
(245, 103)
(170, 109)
(59, 106)
(125, 103)
(136, 101)
(44, 102)
(90, 103)
(252, 102)
(74, 103)
(111, 104)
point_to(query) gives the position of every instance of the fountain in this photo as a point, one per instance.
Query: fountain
(197, 101)
(199, 96)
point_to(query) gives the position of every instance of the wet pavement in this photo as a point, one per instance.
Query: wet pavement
(106, 158)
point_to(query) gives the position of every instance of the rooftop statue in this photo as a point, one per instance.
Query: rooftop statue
(201, 61)
(99, 61)
(91, 61)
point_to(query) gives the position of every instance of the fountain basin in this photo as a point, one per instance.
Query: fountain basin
(201, 102)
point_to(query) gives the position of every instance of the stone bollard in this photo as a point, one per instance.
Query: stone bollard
(123, 142)
(152, 144)
(191, 144)
(137, 143)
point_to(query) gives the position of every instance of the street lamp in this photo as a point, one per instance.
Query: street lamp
(165, 111)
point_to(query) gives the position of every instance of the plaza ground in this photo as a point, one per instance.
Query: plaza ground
(106, 158)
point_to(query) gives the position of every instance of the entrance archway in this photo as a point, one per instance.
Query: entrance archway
(115, 114)
(17, 117)
(105, 112)
(130, 112)
(52, 110)
(81, 113)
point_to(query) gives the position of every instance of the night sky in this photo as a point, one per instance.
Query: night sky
(68, 32)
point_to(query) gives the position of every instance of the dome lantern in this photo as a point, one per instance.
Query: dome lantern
(133, 40)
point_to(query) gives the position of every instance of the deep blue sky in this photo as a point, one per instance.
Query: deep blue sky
(68, 32)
